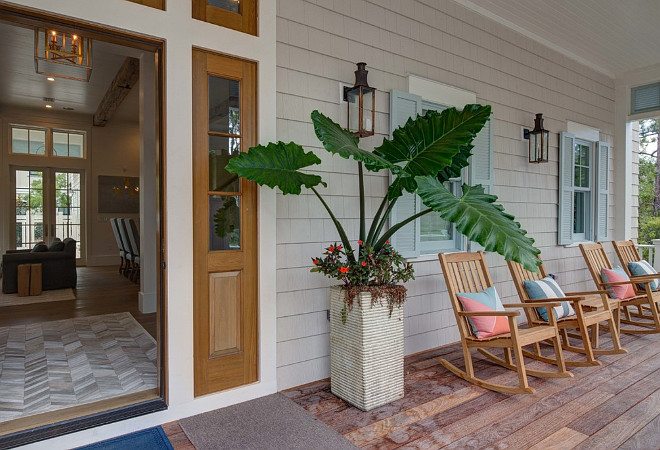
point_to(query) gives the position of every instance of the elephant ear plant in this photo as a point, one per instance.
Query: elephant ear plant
(422, 154)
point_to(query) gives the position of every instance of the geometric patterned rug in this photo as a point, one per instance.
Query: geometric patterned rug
(54, 365)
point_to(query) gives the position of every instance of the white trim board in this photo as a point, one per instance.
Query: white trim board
(441, 93)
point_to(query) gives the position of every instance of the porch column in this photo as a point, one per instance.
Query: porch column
(622, 165)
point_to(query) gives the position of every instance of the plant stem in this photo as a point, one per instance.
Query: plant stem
(388, 234)
(340, 229)
(374, 223)
(362, 215)
(383, 221)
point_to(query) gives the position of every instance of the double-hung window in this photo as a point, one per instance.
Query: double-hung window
(430, 234)
(584, 190)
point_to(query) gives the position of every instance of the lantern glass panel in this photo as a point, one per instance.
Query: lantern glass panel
(367, 110)
(353, 99)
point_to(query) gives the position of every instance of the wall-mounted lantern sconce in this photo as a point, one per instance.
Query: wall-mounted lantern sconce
(538, 141)
(361, 100)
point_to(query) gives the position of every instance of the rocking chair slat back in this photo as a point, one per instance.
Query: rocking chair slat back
(520, 275)
(466, 272)
(627, 252)
(596, 259)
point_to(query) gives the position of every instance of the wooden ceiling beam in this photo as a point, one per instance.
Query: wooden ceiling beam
(127, 76)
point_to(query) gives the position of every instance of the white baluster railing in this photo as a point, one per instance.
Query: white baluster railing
(651, 253)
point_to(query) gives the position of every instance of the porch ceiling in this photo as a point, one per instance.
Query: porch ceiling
(611, 36)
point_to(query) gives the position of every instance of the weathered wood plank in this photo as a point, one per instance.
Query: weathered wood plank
(560, 440)
(647, 437)
(127, 75)
(625, 426)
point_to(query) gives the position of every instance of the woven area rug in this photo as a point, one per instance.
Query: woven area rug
(271, 422)
(149, 439)
(56, 295)
(54, 365)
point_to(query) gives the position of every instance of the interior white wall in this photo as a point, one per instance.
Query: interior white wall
(115, 151)
(181, 33)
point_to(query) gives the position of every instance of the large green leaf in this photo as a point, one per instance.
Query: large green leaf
(477, 216)
(345, 144)
(276, 165)
(428, 144)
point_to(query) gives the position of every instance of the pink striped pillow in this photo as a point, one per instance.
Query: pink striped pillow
(617, 275)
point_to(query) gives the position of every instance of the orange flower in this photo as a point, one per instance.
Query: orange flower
(331, 248)
(316, 261)
(364, 263)
(338, 247)
(387, 242)
(360, 242)
(343, 269)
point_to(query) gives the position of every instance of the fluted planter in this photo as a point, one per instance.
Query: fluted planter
(366, 352)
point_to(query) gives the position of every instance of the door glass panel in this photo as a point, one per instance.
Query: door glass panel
(29, 208)
(224, 222)
(67, 207)
(224, 99)
(228, 5)
(221, 150)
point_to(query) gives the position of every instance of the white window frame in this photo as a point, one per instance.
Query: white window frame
(597, 212)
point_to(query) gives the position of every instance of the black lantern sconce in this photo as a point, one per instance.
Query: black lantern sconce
(361, 100)
(538, 141)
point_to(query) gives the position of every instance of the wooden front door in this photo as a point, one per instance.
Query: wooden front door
(225, 224)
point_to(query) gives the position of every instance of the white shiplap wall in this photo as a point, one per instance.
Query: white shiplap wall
(318, 44)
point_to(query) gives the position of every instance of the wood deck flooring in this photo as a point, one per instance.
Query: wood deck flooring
(616, 405)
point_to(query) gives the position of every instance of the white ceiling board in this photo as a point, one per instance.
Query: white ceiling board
(611, 36)
(21, 86)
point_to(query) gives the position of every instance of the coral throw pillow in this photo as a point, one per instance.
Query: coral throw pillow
(617, 275)
(547, 288)
(487, 300)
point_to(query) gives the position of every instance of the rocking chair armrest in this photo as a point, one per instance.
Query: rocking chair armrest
(573, 294)
(622, 283)
(532, 304)
(489, 313)
(644, 278)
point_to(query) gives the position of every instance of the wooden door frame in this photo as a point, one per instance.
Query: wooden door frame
(52, 424)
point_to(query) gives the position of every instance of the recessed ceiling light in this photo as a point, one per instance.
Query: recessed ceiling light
(49, 106)
(50, 79)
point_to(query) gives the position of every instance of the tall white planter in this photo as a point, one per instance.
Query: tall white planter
(366, 352)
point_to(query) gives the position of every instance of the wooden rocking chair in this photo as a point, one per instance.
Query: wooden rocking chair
(627, 253)
(591, 308)
(596, 259)
(468, 273)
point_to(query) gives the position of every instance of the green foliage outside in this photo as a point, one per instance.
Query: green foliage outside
(649, 211)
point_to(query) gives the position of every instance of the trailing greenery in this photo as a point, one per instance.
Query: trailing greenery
(421, 155)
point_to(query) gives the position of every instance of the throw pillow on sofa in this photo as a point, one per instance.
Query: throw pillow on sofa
(56, 246)
(40, 247)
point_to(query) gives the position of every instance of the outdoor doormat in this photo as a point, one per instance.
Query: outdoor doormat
(54, 365)
(149, 439)
(56, 295)
(271, 422)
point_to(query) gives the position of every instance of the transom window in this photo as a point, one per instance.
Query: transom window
(26, 140)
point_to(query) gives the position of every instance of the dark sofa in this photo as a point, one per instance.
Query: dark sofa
(58, 266)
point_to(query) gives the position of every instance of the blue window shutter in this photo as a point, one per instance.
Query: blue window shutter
(406, 241)
(565, 221)
(602, 190)
(481, 165)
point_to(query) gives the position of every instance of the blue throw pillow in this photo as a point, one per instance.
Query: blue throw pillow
(547, 288)
(486, 300)
(643, 267)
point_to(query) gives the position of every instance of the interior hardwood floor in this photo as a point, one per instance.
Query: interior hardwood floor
(100, 290)
(616, 405)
